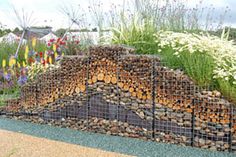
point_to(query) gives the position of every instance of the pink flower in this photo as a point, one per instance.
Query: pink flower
(52, 40)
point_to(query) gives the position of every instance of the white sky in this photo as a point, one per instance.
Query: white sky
(46, 12)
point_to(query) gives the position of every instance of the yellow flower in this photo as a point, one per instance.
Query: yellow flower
(56, 54)
(45, 56)
(24, 65)
(34, 42)
(3, 63)
(50, 60)
(26, 52)
(18, 65)
(54, 47)
(12, 61)
(5, 72)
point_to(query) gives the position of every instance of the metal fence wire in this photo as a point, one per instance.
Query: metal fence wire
(112, 91)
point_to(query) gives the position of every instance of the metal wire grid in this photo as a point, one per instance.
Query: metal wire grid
(169, 110)
(173, 118)
(233, 129)
(212, 124)
(136, 94)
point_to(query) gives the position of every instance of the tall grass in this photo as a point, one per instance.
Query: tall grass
(198, 66)
(6, 50)
(139, 35)
(137, 29)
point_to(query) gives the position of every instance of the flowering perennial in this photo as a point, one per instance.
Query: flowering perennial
(221, 50)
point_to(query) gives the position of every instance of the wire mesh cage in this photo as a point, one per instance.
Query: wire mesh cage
(173, 106)
(112, 91)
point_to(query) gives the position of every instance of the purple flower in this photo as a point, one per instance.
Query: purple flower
(59, 50)
(22, 80)
(7, 76)
(58, 58)
(49, 53)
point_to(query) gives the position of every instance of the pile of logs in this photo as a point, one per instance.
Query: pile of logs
(140, 77)
(131, 73)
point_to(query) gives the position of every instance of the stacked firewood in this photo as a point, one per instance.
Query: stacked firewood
(109, 52)
(135, 75)
(74, 75)
(130, 73)
(174, 89)
(57, 83)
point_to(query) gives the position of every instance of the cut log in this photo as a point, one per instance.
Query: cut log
(90, 81)
(144, 97)
(224, 121)
(131, 89)
(113, 80)
(107, 79)
(100, 77)
(149, 96)
(82, 87)
(94, 79)
(77, 90)
(189, 110)
(140, 95)
(133, 94)
(120, 85)
(126, 87)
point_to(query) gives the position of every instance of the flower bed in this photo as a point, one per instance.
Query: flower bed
(209, 60)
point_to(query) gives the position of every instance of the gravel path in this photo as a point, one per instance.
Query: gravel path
(109, 143)
(21, 145)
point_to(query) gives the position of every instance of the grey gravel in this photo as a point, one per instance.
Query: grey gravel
(117, 144)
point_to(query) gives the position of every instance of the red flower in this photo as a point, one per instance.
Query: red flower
(43, 61)
(31, 60)
(77, 41)
(58, 40)
(49, 44)
(40, 54)
(62, 43)
(52, 40)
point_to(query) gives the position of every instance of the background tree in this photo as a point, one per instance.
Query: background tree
(60, 32)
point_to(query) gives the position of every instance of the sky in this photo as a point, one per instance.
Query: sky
(47, 12)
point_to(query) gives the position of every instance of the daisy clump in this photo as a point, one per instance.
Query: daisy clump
(208, 59)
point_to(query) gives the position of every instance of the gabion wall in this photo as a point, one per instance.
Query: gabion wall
(112, 91)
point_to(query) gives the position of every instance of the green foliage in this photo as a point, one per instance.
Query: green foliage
(198, 66)
(226, 89)
(8, 49)
(231, 33)
(8, 95)
(138, 31)
(60, 32)
(17, 30)
(139, 35)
